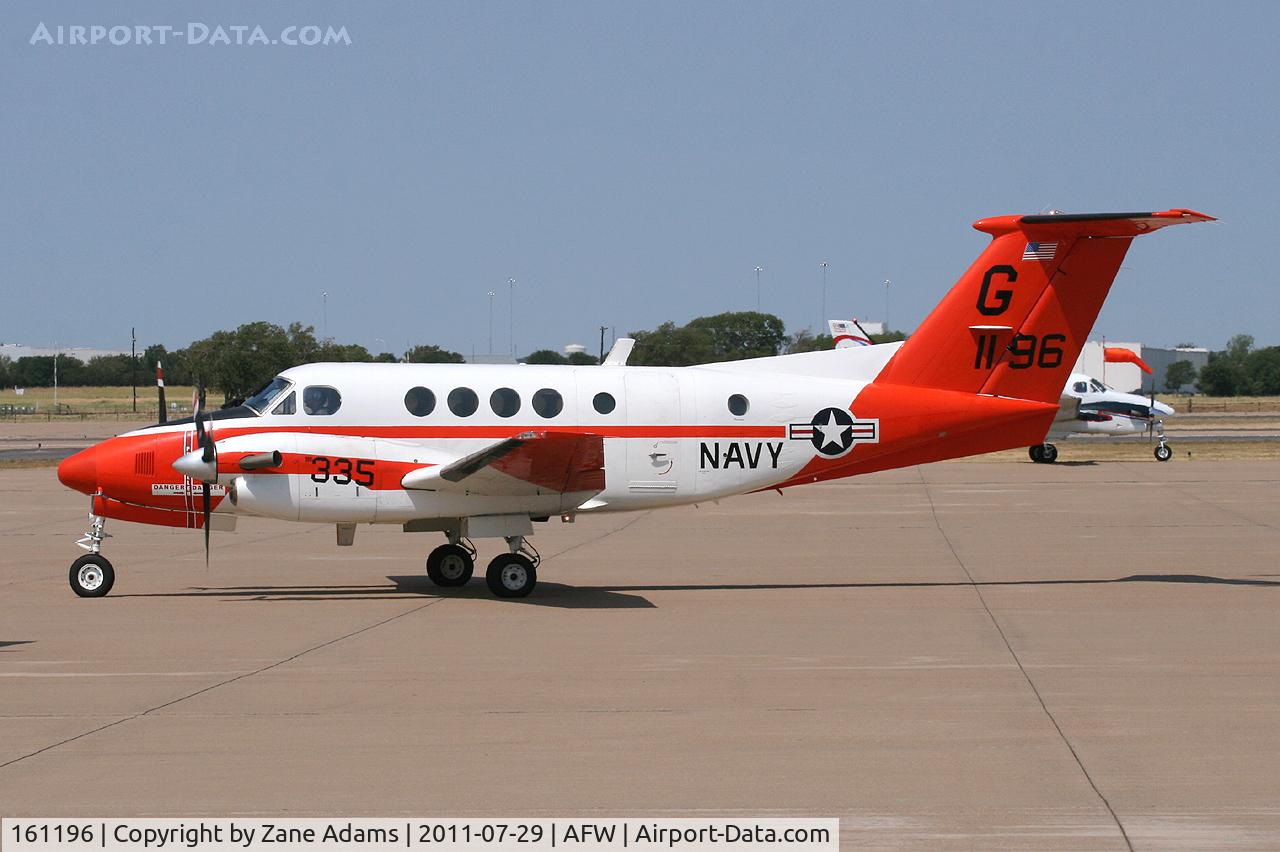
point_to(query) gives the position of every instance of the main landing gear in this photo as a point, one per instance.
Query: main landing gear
(91, 575)
(509, 575)
(1043, 453)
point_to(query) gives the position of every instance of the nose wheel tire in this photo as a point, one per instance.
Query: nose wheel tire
(1164, 452)
(92, 576)
(450, 565)
(511, 575)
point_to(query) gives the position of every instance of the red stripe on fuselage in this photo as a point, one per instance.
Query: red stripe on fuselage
(497, 431)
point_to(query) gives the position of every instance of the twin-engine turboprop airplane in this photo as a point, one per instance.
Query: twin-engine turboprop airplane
(488, 451)
(1091, 408)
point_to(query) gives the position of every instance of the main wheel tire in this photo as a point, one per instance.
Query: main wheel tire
(1164, 452)
(92, 576)
(1049, 453)
(450, 565)
(511, 575)
(1036, 451)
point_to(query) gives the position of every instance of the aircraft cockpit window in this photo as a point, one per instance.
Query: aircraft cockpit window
(1098, 387)
(1080, 387)
(505, 402)
(321, 399)
(420, 401)
(738, 405)
(288, 405)
(263, 398)
(604, 402)
(548, 403)
(463, 402)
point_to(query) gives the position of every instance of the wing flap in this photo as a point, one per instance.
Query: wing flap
(531, 463)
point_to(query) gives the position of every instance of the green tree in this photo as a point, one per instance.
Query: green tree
(1239, 346)
(36, 371)
(1178, 374)
(736, 335)
(805, 341)
(546, 356)
(671, 345)
(240, 362)
(5, 363)
(889, 337)
(582, 359)
(1221, 376)
(352, 352)
(1262, 372)
(729, 336)
(432, 354)
(110, 371)
(385, 358)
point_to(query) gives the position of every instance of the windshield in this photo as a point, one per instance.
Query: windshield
(260, 400)
(1098, 386)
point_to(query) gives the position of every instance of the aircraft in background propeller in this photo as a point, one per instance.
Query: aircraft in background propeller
(412, 444)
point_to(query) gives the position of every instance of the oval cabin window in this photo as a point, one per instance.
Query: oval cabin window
(463, 402)
(548, 403)
(420, 401)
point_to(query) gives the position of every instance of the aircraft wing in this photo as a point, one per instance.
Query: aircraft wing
(531, 463)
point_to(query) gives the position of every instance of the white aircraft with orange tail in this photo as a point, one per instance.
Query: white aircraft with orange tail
(481, 451)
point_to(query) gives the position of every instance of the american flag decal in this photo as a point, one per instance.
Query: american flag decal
(1040, 251)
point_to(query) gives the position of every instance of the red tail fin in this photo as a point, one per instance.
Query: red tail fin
(1014, 324)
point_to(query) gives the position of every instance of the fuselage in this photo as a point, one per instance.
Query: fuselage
(349, 433)
(1106, 411)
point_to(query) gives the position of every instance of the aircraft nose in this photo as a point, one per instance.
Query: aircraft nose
(1166, 410)
(80, 471)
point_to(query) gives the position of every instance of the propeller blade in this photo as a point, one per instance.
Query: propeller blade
(164, 417)
(1151, 414)
(204, 507)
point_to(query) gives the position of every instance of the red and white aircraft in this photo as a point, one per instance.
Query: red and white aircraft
(487, 451)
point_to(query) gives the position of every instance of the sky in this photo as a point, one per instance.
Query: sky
(625, 163)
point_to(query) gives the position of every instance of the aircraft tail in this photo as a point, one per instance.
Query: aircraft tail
(1014, 324)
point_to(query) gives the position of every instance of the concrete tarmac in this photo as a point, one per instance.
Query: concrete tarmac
(960, 656)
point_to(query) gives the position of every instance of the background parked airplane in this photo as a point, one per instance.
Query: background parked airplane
(1091, 408)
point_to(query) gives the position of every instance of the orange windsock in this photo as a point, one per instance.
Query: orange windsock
(1117, 354)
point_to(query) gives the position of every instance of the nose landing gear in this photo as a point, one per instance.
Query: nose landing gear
(91, 575)
(1163, 451)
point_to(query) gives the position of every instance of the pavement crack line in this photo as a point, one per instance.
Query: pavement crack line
(228, 681)
(601, 537)
(1017, 660)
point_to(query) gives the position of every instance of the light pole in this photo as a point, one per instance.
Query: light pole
(133, 365)
(887, 282)
(324, 315)
(511, 315)
(491, 294)
(55, 377)
(822, 321)
(759, 269)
